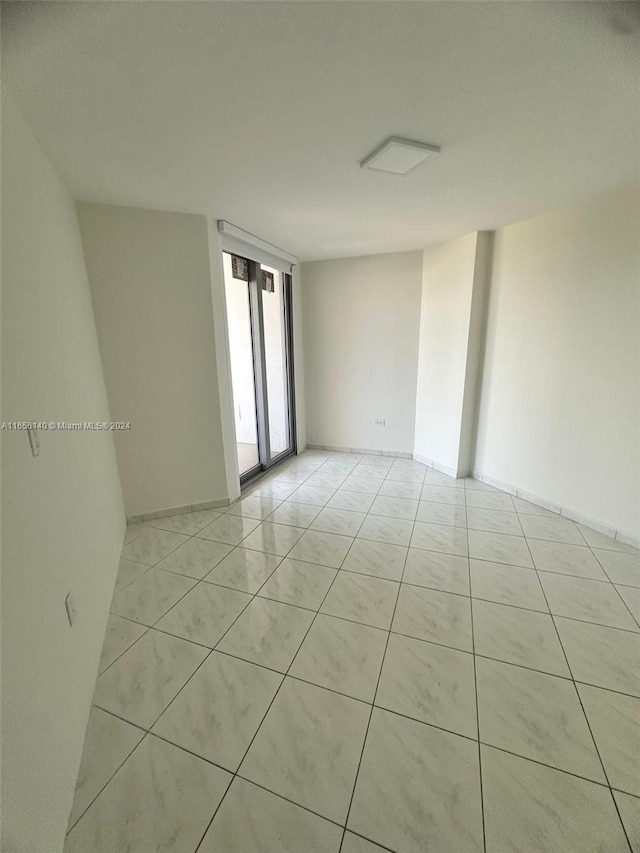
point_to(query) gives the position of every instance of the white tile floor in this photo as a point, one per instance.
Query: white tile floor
(366, 655)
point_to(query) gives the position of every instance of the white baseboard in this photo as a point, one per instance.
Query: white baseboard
(177, 510)
(437, 466)
(366, 451)
(565, 511)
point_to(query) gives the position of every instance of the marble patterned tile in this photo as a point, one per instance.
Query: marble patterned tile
(140, 684)
(308, 748)
(605, 657)
(629, 808)
(351, 501)
(272, 538)
(341, 655)
(418, 788)
(230, 529)
(315, 495)
(323, 549)
(435, 616)
(380, 528)
(397, 489)
(590, 601)
(595, 539)
(218, 712)
(254, 506)
(395, 507)
(442, 513)
(356, 844)
(631, 597)
(149, 597)
(362, 598)
(564, 559)
(535, 715)
(175, 796)
(120, 634)
(252, 819)
(127, 572)
(204, 614)
(134, 531)
(430, 683)
(518, 636)
(493, 521)
(327, 479)
(615, 723)
(188, 523)
(527, 508)
(294, 513)
(302, 584)
(152, 546)
(195, 558)
(107, 743)
(499, 548)
(376, 558)
(441, 538)
(552, 529)
(622, 568)
(267, 633)
(244, 570)
(437, 478)
(368, 485)
(529, 808)
(273, 490)
(483, 499)
(507, 585)
(340, 521)
(442, 494)
(401, 475)
(446, 572)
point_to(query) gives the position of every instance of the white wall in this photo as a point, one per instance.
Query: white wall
(560, 391)
(62, 513)
(445, 313)
(360, 318)
(152, 293)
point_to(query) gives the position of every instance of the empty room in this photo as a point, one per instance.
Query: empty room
(320, 426)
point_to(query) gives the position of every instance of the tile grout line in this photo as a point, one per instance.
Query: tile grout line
(586, 718)
(475, 685)
(375, 694)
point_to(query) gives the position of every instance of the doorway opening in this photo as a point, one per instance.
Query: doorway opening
(258, 301)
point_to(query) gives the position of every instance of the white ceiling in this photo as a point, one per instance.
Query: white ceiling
(259, 112)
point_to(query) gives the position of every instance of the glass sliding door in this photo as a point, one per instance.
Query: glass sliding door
(259, 323)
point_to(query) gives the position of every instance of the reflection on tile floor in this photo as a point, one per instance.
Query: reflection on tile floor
(366, 655)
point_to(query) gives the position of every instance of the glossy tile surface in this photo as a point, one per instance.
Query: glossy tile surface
(362, 599)
(261, 645)
(268, 633)
(161, 793)
(308, 748)
(341, 655)
(220, 709)
(530, 808)
(252, 819)
(204, 614)
(536, 716)
(141, 683)
(418, 788)
(430, 683)
(302, 584)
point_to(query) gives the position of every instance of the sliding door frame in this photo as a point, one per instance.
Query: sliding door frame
(266, 462)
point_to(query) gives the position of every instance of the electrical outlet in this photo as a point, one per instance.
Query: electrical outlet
(379, 422)
(70, 606)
